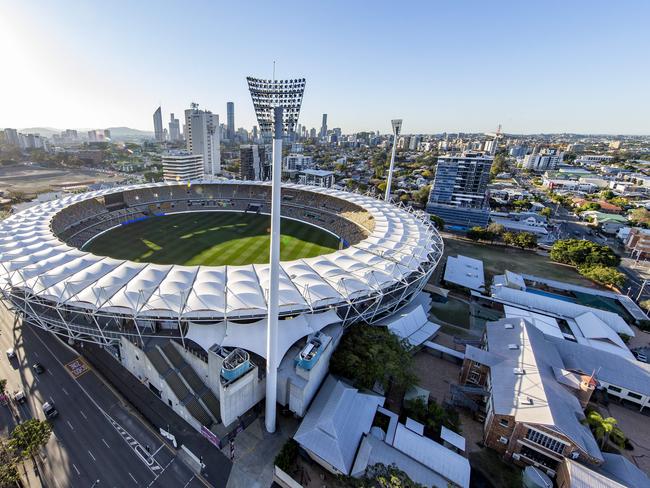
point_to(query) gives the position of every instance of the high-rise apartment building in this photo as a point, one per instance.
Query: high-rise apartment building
(253, 163)
(202, 137)
(230, 127)
(323, 127)
(182, 166)
(158, 125)
(459, 191)
(11, 136)
(546, 159)
(174, 129)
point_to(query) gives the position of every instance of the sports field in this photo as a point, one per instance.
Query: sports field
(210, 238)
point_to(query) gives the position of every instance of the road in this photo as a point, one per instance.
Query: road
(97, 440)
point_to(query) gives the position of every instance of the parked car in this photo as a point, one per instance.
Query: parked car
(19, 396)
(38, 368)
(11, 353)
(50, 410)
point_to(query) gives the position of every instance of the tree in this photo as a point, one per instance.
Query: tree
(604, 275)
(495, 230)
(498, 165)
(8, 469)
(438, 221)
(369, 354)
(28, 437)
(577, 252)
(509, 238)
(546, 212)
(382, 186)
(286, 458)
(422, 195)
(526, 240)
(640, 216)
(605, 429)
(433, 416)
(3, 386)
(382, 476)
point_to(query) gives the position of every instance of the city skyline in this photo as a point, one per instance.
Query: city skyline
(440, 67)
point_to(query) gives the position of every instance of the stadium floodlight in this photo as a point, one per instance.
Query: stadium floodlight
(268, 94)
(274, 275)
(397, 127)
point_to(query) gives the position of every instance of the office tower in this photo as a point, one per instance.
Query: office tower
(254, 133)
(267, 94)
(312, 133)
(459, 191)
(323, 127)
(253, 164)
(11, 136)
(174, 129)
(182, 166)
(230, 108)
(158, 125)
(202, 137)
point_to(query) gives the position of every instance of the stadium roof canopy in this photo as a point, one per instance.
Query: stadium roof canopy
(34, 260)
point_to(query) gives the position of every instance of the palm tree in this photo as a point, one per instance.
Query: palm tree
(605, 428)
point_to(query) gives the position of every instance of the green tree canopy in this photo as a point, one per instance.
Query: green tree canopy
(28, 437)
(604, 275)
(369, 354)
(640, 216)
(578, 252)
(605, 429)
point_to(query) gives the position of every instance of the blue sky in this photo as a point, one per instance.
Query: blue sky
(533, 66)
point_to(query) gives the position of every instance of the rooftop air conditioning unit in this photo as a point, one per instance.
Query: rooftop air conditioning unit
(513, 347)
(516, 456)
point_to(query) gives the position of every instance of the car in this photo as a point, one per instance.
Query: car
(50, 410)
(11, 353)
(19, 396)
(38, 368)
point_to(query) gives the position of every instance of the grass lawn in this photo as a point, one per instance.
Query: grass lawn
(496, 259)
(210, 238)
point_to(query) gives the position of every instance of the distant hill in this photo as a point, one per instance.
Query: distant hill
(44, 131)
(117, 133)
(126, 133)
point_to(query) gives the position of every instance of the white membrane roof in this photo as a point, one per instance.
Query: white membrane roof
(34, 259)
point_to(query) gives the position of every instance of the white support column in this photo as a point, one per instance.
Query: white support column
(274, 277)
(397, 127)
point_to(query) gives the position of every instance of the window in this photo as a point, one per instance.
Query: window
(503, 423)
(474, 377)
(614, 389)
(503, 440)
(545, 441)
(634, 395)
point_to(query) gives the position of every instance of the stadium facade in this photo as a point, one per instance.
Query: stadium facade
(196, 335)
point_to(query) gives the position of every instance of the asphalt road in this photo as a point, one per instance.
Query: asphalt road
(96, 440)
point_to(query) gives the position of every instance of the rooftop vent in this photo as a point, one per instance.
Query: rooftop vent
(508, 326)
(525, 400)
(513, 347)
(519, 371)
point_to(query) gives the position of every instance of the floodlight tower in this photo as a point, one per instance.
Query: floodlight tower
(274, 275)
(397, 127)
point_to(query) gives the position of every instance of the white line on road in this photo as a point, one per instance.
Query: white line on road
(65, 391)
(77, 470)
(69, 425)
(91, 455)
(49, 372)
(83, 414)
(156, 451)
(188, 482)
(105, 443)
(136, 481)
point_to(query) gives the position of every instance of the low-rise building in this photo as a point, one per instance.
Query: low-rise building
(317, 177)
(182, 166)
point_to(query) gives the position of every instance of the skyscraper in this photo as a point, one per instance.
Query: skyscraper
(202, 134)
(459, 191)
(158, 125)
(267, 94)
(323, 127)
(253, 163)
(182, 166)
(174, 129)
(230, 134)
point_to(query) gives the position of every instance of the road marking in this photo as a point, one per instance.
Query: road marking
(77, 367)
(49, 372)
(75, 468)
(65, 391)
(188, 482)
(70, 425)
(156, 451)
(136, 481)
(105, 443)
(91, 455)
(83, 414)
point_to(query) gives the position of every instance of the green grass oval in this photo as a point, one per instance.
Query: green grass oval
(211, 239)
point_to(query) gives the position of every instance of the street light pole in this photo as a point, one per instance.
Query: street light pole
(397, 127)
(641, 290)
